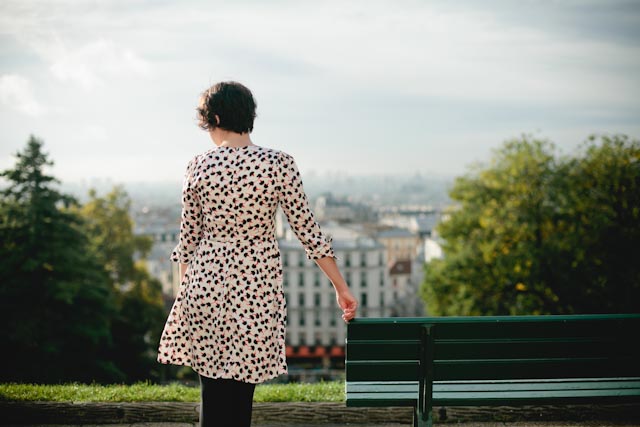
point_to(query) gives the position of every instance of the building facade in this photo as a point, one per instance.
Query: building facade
(313, 314)
(400, 243)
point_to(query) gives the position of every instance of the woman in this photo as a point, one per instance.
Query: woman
(228, 318)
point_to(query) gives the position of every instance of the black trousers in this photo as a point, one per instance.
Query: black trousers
(225, 402)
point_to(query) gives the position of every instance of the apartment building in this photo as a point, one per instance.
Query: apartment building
(313, 315)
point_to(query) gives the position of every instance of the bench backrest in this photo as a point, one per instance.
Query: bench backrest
(495, 347)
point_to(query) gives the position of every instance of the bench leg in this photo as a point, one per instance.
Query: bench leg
(420, 420)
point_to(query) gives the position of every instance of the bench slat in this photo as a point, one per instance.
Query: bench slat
(540, 385)
(494, 399)
(493, 327)
(408, 392)
(438, 386)
(382, 387)
(407, 370)
(534, 368)
(484, 348)
(384, 350)
(520, 397)
(531, 348)
(401, 370)
(607, 328)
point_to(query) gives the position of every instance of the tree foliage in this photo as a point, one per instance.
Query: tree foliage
(78, 301)
(54, 295)
(139, 306)
(533, 232)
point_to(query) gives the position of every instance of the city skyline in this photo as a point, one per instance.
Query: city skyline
(357, 88)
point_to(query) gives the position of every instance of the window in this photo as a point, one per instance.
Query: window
(316, 299)
(347, 259)
(363, 279)
(332, 310)
(381, 299)
(316, 279)
(363, 259)
(301, 300)
(381, 259)
(285, 259)
(317, 338)
(285, 279)
(301, 318)
(333, 338)
(347, 277)
(382, 278)
(317, 319)
(302, 338)
(363, 299)
(301, 279)
(301, 259)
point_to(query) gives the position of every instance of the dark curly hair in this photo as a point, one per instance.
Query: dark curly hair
(232, 102)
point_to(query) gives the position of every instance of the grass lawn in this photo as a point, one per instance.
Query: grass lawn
(144, 392)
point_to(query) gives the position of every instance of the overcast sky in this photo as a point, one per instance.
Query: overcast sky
(356, 87)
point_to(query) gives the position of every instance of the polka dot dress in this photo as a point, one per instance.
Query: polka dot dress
(228, 318)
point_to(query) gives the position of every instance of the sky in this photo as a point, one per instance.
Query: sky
(346, 87)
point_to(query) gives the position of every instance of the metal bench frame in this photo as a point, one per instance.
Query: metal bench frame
(534, 389)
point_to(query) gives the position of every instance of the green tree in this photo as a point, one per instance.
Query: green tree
(54, 295)
(140, 311)
(533, 233)
(598, 227)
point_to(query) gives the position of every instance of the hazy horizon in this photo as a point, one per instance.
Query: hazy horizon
(386, 189)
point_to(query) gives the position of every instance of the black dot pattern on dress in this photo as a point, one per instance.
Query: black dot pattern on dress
(229, 315)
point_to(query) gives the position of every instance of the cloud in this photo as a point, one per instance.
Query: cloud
(16, 93)
(68, 37)
(435, 49)
(93, 133)
(425, 48)
(92, 64)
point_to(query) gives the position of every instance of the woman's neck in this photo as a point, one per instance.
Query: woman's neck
(224, 138)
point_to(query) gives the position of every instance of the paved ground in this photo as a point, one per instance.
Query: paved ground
(479, 424)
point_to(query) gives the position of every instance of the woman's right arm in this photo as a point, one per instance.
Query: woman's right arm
(346, 300)
(295, 205)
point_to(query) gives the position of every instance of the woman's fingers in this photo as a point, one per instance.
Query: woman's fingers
(349, 313)
(348, 304)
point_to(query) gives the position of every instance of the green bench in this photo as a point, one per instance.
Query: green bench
(492, 360)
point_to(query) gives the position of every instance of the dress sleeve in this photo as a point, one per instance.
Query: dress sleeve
(190, 220)
(295, 204)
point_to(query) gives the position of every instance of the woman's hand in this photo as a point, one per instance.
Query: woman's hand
(348, 304)
(346, 300)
